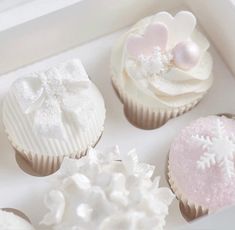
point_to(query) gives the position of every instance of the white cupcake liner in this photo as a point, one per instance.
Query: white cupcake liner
(189, 210)
(146, 117)
(43, 164)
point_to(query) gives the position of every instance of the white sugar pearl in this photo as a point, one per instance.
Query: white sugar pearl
(186, 55)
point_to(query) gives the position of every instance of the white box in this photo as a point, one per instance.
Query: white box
(53, 28)
(64, 24)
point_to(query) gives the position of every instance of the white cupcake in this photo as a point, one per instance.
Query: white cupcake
(106, 191)
(53, 113)
(12, 221)
(161, 68)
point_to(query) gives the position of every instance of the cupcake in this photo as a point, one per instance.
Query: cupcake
(106, 191)
(201, 166)
(53, 113)
(161, 68)
(10, 220)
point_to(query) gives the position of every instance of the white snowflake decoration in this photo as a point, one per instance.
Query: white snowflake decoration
(156, 64)
(219, 150)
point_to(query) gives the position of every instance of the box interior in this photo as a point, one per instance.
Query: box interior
(25, 192)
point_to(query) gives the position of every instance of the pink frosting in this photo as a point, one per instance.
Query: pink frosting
(208, 187)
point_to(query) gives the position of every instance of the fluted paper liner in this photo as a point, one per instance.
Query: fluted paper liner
(146, 117)
(43, 164)
(189, 210)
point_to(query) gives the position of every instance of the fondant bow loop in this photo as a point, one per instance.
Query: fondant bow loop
(52, 96)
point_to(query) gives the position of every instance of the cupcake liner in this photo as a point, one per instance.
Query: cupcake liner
(43, 164)
(147, 117)
(189, 210)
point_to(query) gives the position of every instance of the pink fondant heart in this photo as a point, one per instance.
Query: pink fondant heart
(155, 35)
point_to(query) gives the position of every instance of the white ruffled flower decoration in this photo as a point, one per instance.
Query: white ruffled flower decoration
(53, 96)
(107, 191)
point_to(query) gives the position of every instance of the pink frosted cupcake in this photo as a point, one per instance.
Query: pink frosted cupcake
(201, 166)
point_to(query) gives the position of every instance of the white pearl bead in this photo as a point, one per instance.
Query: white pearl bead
(186, 55)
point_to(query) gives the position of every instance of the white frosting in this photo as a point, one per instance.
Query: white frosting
(10, 221)
(163, 85)
(106, 191)
(54, 119)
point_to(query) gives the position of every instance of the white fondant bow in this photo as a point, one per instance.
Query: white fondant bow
(53, 96)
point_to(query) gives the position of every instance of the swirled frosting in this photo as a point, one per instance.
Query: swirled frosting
(10, 221)
(153, 79)
(106, 191)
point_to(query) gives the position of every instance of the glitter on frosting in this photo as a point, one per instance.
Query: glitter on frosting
(52, 93)
(107, 191)
(208, 188)
(156, 64)
(219, 149)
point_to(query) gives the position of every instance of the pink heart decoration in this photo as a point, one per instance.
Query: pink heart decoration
(155, 35)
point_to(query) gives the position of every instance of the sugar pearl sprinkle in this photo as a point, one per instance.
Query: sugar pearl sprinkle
(185, 55)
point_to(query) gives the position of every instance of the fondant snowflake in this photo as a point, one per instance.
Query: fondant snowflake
(156, 64)
(219, 150)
